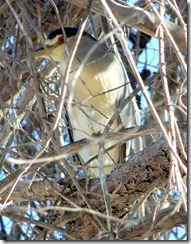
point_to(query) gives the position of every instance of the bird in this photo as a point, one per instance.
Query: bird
(100, 88)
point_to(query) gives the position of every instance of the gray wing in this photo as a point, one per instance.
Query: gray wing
(130, 115)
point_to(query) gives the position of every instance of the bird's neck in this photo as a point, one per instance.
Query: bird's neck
(88, 50)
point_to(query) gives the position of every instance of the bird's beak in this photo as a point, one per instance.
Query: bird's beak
(43, 52)
(40, 52)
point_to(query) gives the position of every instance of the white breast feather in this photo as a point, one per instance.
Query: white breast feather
(101, 73)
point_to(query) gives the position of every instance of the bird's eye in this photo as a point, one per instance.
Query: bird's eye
(61, 39)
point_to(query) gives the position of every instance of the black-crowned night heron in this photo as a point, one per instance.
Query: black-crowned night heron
(101, 87)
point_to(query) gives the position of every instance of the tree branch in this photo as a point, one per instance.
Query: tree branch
(138, 18)
(137, 230)
(131, 179)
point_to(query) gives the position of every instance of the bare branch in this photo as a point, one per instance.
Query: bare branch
(138, 18)
(136, 230)
(132, 179)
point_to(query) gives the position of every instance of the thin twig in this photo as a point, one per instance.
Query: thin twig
(123, 42)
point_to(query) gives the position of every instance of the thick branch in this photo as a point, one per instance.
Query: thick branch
(138, 18)
(132, 179)
(137, 230)
(142, 173)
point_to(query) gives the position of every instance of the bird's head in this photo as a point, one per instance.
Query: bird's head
(55, 44)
